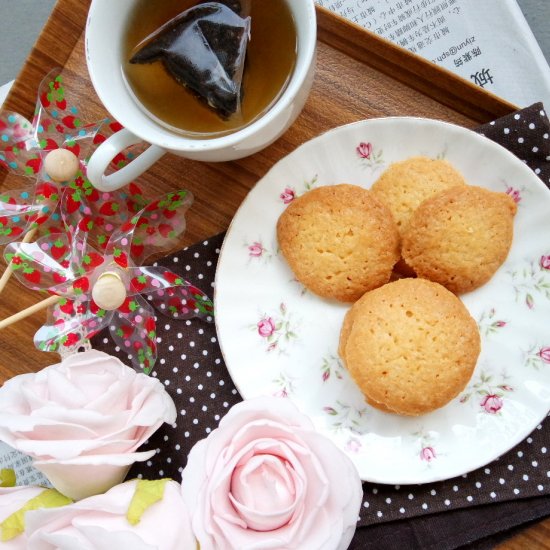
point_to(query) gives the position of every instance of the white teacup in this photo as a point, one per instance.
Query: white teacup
(105, 32)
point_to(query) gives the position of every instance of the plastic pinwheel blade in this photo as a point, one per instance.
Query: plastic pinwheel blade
(98, 214)
(57, 120)
(133, 329)
(70, 324)
(169, 293)
(17, 145)
(155, 230)
(43, 264)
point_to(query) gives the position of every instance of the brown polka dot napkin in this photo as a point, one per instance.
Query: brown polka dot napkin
(478, 506)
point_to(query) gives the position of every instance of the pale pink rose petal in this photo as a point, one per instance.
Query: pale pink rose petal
(100, 522)
(262, 444)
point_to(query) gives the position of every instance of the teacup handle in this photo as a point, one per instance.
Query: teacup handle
(108, 150)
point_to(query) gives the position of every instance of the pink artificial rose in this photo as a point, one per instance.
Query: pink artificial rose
(12, 500)
(427, 454)
(266, 327)
(545, 262)
(83, 419)
(288, 195)
(107, 521)
(491, 403)
(255, 249)
(364, 150)
(544, 354)
(265, 478)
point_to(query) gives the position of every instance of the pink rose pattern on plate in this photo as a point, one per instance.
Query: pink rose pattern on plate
(289, 193)
(486, 394)
(284, 384)
(332, 366)
(426, 447)
(531, 283)
(347, 417)
(369, 157)
(490, 323)
(277, 329)
(538, 357)
(257, 251)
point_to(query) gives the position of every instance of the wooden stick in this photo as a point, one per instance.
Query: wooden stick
(29, 311)
(8, 271)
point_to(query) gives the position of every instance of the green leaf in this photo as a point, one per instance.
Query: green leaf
(7, 477)
(148, 492)
(14, 525)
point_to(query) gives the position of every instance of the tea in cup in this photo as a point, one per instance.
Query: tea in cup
(140, 60)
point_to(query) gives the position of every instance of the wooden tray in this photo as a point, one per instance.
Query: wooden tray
(359, 75)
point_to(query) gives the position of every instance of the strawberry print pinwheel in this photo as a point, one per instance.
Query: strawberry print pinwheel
(48, 154)
(106, 289)
(51, 154)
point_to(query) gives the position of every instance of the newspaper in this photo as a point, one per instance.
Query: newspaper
(487, 42)
(21, 464)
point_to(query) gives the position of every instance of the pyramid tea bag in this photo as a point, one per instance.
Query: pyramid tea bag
(204, 49)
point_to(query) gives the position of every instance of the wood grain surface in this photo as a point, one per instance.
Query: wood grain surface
(359, 76)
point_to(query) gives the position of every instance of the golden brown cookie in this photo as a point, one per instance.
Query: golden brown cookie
(339, 241)
(460, 237)
(412, 346)
(404, 185)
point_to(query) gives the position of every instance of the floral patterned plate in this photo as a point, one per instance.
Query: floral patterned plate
(279, 339)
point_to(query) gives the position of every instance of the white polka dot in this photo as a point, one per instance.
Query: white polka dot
(492, 494)
(516, 491)
(388, 500)
(545, 136)
(374, 491)
(179, 391)
(447, 502)
(166, 326)
(520, 140)
(195, 421)
(175, 369)
(516, 116)
(180, 335)
(200, 387)
(410, 496)
(105, 340)
(186, 434)
(433, 492)
(543, 450)
(366, 504)
(379, 514)
(510, 467)
(455, 488)
(537, 171)
(469, 498)
(540, 487)
(535, 149)
(402, 510)
(506, 130)
(424, 506)
(191, 344)
(520, 454)
(177, 447)
(531, 126)
(502, 481)
(534, 464)
(478, 484)
(487, 470)
(183, 412)
(525, 477)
